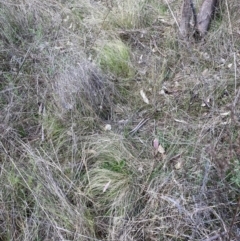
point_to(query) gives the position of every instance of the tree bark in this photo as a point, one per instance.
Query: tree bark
(205, 16)
(201, 21)
(185, 19)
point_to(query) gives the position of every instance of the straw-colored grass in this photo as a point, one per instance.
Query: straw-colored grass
(114, 128)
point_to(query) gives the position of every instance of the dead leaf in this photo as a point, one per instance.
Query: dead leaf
(225, 113)
(222, 61)
(162, 92)
(140, 169)
(155, 143)
(206, 56)
(178, 165)
(164, 156)
(161, 149)
(145, 99)
(69, 133)
(107, 127)
(118, 109)
(106, 186)
(205, 72)
(180, 121)
(91, 151)
(140, 59)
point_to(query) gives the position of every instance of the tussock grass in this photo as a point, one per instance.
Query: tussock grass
(69, 68)
(129, 19)
(82, 85)
(114, 57)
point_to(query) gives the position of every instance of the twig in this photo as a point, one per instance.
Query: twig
(215, 236)
(139, 125)
(9, 89)
(229, 20)
(156, 47)
(233, 106)
(236, 99)
(235, 71)
(23, 62)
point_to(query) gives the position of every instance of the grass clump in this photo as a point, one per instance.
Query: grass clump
(134, 14)
(114, 57)
(125, 14)
(110, 177)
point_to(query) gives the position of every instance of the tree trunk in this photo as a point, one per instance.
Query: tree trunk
(205, 16)
(186, 17)
(201, 21)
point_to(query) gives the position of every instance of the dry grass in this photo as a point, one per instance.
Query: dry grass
(69, 69)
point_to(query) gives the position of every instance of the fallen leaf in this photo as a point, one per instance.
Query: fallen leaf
(69, 133)
(164, 156)
(162, 92)
(106, 186)
(71, 24)
(155, 143)
(180, 121)
(140, 169)
(154, 50)
(222, 61)
(91, 151)
(107, 127)
(140, 59)
(205, 72)
(145, 99)
(161, 149)
(225, 113)
(118, 109)
(206, 56)
(178, 165)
